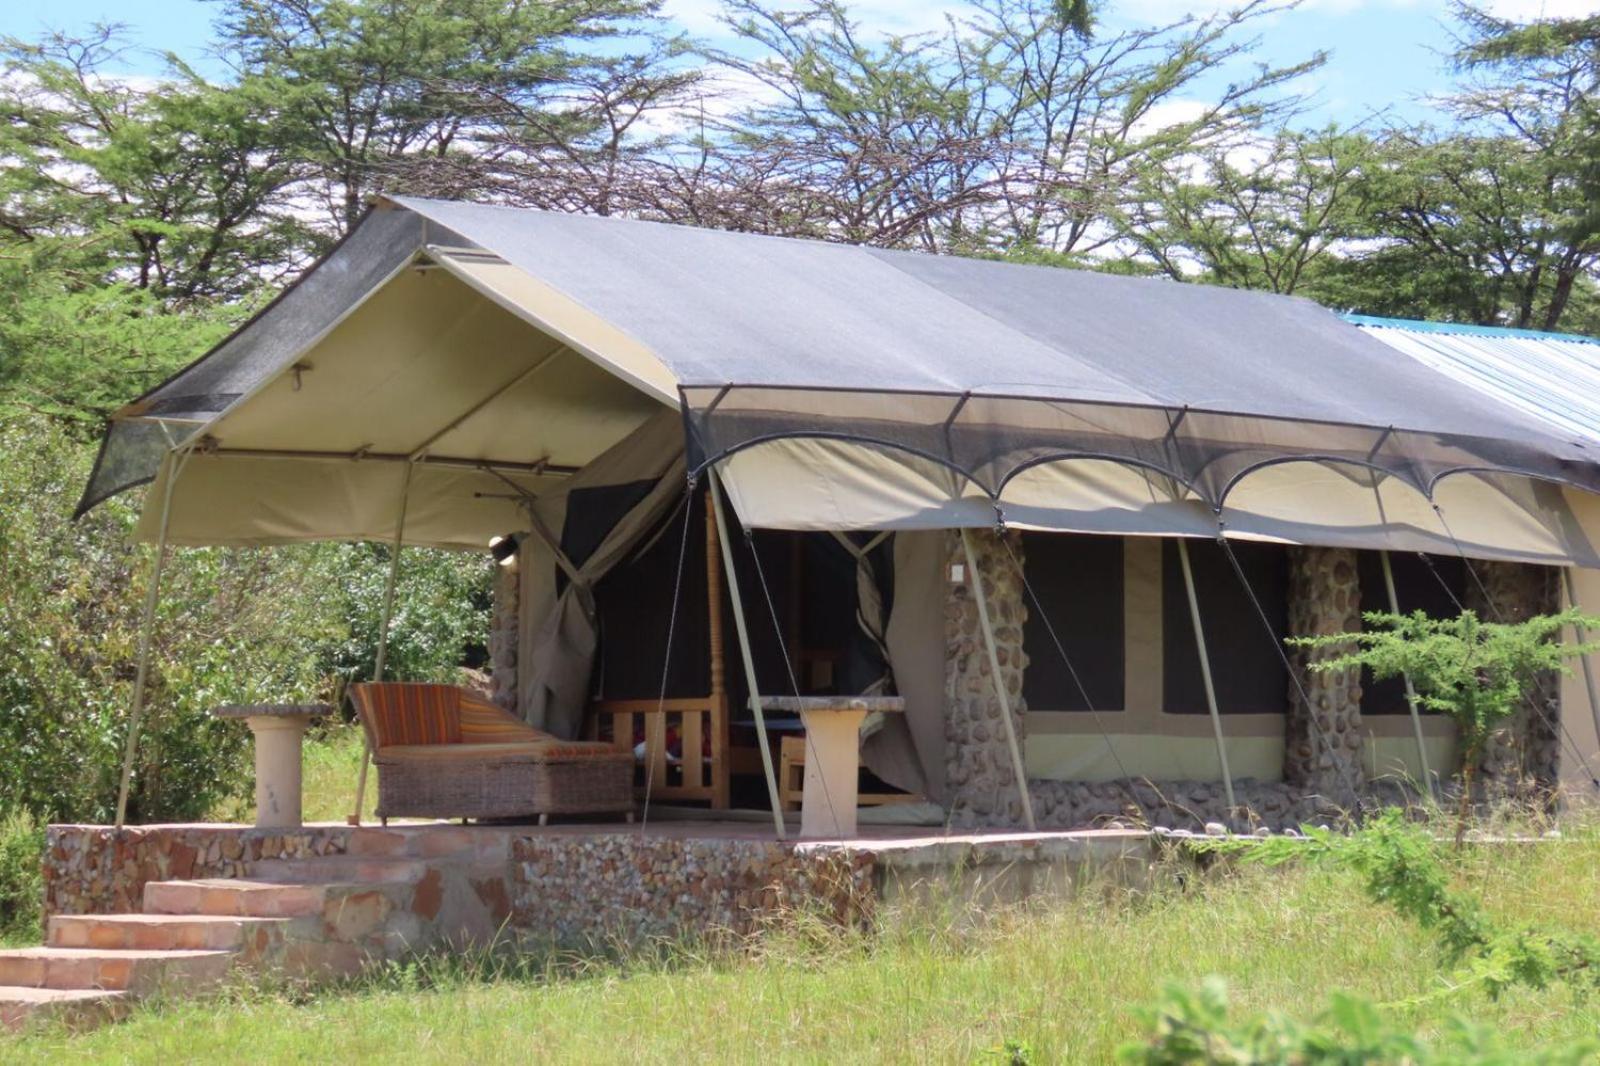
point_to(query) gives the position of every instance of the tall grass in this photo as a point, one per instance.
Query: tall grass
(930, 986)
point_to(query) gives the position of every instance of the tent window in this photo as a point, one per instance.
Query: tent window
(1249, 674)
(1078, 580)
(1434, 591)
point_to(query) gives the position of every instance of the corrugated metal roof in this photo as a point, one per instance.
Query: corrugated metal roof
(1552, 376)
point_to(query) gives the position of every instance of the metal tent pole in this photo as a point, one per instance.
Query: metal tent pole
(1583, 660)
(383, 634)
(1411, 691)
(1205, 670)
(1017, 766)
(152, 594)
(749, 659)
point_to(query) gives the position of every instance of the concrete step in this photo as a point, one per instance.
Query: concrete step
(77, 1008)
(236, 898)
(113, 971)
(354, 870)
(163, 932)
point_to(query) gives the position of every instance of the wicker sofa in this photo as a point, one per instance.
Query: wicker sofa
(442, 752)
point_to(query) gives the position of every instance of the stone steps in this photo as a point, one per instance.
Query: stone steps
(163, 932)
(104, 970)
(77, 1008)
(356, 870)
(243, 898)
(301, 919)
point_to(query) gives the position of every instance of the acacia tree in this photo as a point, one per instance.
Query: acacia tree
(181, 191)
(1477, 672)
(1254, 216)
(425, 95)
(1011, 129)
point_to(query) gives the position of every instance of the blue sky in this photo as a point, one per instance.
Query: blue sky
(1385, 53)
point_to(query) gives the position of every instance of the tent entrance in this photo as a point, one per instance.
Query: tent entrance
(808, 631)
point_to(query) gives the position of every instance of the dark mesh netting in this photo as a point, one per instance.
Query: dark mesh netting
(987, 441)
(135, 441)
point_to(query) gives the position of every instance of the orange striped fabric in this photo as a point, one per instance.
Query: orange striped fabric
(484, 723)
(405, 713)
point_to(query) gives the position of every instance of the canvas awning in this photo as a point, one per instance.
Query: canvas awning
(836, 387)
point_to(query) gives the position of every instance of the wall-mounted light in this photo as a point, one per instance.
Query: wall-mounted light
(504, 548)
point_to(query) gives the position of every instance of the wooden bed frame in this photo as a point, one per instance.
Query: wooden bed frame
(692, 778)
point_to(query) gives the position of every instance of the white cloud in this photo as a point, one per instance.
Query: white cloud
(883, 18)
(1528, 10)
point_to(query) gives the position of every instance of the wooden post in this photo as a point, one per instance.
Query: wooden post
(175, 463)
(1411, 691)
(719, 681)
(354, 818)
(1205, 672)
(749, 659)
(1583, 660)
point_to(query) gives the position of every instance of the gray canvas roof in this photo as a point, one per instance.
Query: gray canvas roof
(720, 307)
(987, 368)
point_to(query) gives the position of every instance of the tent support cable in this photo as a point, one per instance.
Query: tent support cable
(1017, 766)
(788, 664)
(1205, 672)
(666, 655)
(389, 584)
(1411, 690)
(1077, 680)
(1582, 635)
(177, 459)
(1483, 590)
(743, 631)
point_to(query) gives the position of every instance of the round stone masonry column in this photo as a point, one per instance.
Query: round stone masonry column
(1525, 751)
(978, 770)
(1324, 741)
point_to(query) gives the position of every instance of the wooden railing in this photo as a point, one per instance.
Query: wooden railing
(700, 772)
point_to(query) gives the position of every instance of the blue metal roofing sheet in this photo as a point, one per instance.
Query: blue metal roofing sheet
(1552, 376)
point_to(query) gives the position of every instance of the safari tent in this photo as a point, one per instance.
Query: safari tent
(1153, 484)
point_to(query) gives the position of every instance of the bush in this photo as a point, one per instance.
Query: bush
(234, 626)
(21, 880)
(1196, 1027)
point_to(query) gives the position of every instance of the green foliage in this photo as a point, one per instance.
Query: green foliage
(21, 878)
(1477, 672)
(1194, 1027)
(235, 625)
(441, 613)
(1403, 867)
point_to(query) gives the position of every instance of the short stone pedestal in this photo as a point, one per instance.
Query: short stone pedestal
(833, 756)
(278, 728)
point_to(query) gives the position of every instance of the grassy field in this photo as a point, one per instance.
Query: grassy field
(1068, 980)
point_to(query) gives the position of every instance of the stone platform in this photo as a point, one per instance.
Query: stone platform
(177, 908)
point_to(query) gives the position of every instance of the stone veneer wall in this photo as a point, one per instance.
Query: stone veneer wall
(94, 869)
(503, 628)
(1526, 752)
(577, 888)
(1323, 750)
(978, 762)
(979, 778)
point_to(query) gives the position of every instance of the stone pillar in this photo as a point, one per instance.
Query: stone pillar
(1526, 750)
(1323, 751)
(505, 617)
(978, 771)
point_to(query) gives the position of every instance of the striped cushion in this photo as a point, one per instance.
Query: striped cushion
(484, 723)
(400, 713)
